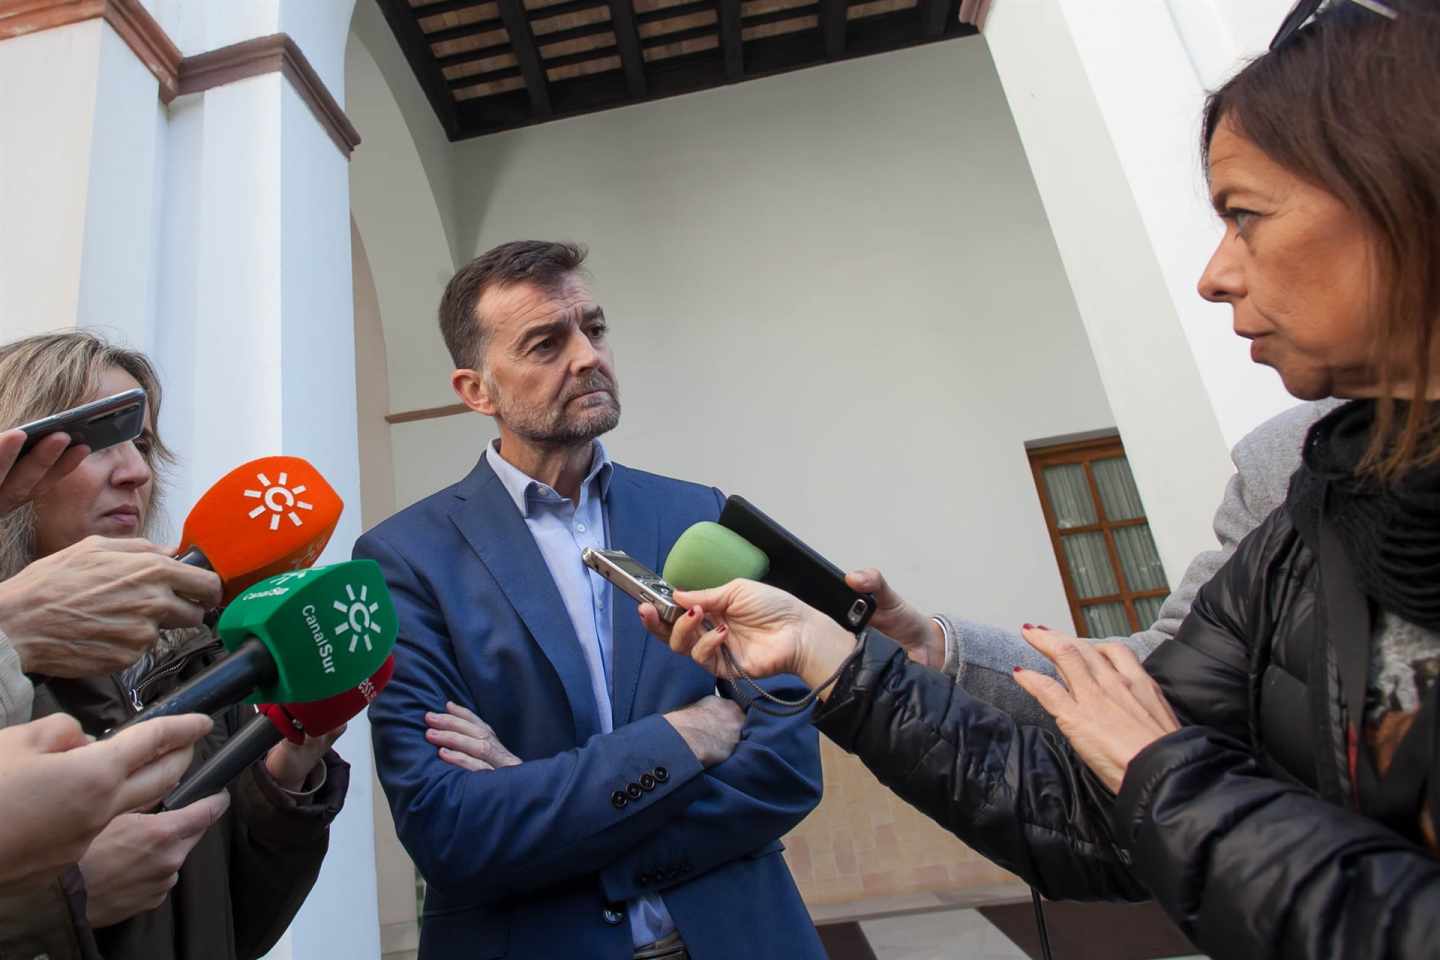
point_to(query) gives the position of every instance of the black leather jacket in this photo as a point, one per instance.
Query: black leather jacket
(1241, 825)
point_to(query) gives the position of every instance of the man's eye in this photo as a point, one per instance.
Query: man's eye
(598, 331)
(547, 344)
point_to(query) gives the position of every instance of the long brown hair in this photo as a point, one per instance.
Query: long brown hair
(1351, 104)
(45, 374)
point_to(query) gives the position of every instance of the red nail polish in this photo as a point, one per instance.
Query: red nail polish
(720, 629)
(1015, 670)
(1027, 626)
(1043, 627)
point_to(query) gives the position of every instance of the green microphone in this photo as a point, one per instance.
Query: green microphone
(301, 636)
(709, 555)
(748, 544)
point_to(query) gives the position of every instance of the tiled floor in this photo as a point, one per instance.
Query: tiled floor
(947, 935)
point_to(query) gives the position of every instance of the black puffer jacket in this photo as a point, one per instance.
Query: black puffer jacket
(1241, 824)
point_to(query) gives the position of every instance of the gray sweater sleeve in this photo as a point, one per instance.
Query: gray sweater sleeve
(17, 695)
(981, 658)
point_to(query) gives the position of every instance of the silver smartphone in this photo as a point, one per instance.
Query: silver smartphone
(636, 579)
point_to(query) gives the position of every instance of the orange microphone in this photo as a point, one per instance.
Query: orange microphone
(263, 518)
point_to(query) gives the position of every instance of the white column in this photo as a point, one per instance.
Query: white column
(81, 122)
(256, 313)
(1107, 97)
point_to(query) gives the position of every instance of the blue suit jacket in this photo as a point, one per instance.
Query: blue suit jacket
(530, 861)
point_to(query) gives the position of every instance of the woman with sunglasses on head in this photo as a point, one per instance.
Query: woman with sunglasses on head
(1272, 775)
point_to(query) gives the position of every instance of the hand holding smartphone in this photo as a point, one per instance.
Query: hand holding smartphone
(98, 424)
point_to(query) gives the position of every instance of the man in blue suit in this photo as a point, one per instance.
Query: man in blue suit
(639, 815)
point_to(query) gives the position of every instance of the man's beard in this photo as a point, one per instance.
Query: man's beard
(559, 427)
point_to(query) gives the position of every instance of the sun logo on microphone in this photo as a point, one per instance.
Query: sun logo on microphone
(278, 499)
(357, 616)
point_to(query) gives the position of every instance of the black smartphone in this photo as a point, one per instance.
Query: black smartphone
(98, 424)
(797, 569)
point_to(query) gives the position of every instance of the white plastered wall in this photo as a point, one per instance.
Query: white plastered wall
(833, 291)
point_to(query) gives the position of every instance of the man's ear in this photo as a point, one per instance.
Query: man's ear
(469, 386)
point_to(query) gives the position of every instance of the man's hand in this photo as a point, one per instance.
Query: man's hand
(58, 790)
(710, 727)
(22, 479)
(290, 763)
(136, 860)
(919, 635)
(466, 741)
(1109, 708)
(95, 606)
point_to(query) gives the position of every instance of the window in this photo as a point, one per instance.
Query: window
(1113, 578)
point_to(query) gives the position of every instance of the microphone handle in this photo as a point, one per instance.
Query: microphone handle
(227, 682)
(194, 558)
(248, 745)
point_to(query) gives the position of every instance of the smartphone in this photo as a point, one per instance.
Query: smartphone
(636, 579)
(98, 424)
(797, 569)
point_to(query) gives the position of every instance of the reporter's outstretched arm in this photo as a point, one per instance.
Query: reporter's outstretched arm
(58, 790)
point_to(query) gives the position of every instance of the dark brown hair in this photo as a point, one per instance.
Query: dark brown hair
(1351, 104)
(542, 263)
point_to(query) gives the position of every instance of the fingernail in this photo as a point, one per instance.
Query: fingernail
(721, 629)
(1015, 670)
(693, 612)
(1027, 626)
(1043, 627)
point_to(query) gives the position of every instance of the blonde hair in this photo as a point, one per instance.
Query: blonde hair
(44, 374)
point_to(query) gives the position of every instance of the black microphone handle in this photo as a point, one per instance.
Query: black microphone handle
(194, 558)
(227, 682)
(248, 745)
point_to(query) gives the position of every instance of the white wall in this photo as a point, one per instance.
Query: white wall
(833, 291)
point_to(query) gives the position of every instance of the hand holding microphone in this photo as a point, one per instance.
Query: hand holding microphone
(95, 606)
(291, 737)
(301, 636)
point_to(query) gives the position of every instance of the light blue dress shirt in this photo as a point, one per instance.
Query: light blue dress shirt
(561, 530)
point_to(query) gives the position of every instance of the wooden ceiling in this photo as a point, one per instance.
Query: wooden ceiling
(491, 65)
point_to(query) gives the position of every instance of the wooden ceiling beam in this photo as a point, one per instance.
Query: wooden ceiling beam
(421, 58)
(730, 40)
(627, 38)
(679, 10)
(489, 76)
(512, 12)
(778, 16)
(470, 56)
(446, 6)
(560, 9)
(677, 36)
(462, 32)
(832, 24)
(933, 16)
(574, 33)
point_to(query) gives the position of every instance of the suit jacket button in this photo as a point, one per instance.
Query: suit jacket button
(619, 799)
(634, 791)
(613, 916)
(647, 782)
(661, 774)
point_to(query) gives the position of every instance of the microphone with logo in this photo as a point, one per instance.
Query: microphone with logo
(276, 722)
(301, 636)
(263, 518)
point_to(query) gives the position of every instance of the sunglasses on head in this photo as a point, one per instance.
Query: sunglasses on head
(1306, 9)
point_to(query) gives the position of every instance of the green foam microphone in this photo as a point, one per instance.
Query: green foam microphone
(301, 636)
(708, 555)
(748, 544)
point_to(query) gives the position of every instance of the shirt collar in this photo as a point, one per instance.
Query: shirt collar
(525, 489)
